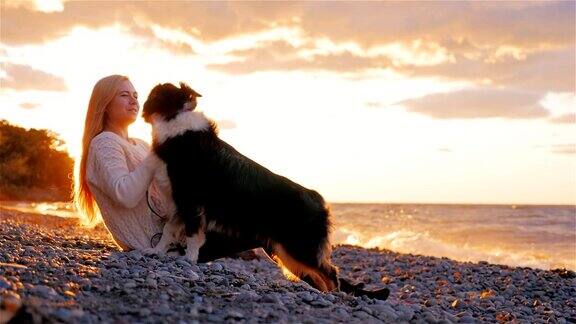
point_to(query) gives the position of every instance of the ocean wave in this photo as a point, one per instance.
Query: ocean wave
(414, 242)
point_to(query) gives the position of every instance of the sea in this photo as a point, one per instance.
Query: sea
(533, 236)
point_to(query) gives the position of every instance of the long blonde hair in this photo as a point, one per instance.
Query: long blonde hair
(102, 94)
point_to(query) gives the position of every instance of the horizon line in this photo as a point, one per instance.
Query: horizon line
(454, 203)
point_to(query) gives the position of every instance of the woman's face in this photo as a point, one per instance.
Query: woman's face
(123, 109)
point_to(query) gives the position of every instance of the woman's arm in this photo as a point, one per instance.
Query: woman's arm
(108, 170)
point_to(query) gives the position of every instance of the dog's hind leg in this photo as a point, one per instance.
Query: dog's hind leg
(326, 269)
(320, 274)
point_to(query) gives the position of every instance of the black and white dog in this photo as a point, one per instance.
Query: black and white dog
(215, 188)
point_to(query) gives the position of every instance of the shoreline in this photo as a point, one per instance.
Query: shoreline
(61, 272)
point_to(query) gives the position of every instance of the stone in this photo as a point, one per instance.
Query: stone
(144, 312)
(130, 285)
(216, 267)
(320, 302)
(4, 283)
(163, 309)
(152, 283)
(306, 296)
(233, 290)
(235, 315)
(63, 314)
(10, 301)
(44, 291)
(430, 303)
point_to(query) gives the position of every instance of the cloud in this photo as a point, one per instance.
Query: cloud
(205, 20)
(23, 77)
(541, 71)
(148, 35)
(526, 45)
(23, 25)
(545, 71)
(367, 23)
(564, 119)
(29, 105)
(478, 103)
(564, 148)
(480, 23)
(283, 56)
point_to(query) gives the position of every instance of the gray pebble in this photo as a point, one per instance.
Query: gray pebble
(130, 284)
(4, 283)
(306, 296)
(269, 298)
(122, 287)
(144, 312)
(163, 309)
(44, 291)
(217, 267)
(63, 314)
(152, 283)
(320, 302)
(234, 314)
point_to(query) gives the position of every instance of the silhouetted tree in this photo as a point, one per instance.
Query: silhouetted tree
(32, 165)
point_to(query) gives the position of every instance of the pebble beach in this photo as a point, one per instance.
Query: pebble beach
(52, 270)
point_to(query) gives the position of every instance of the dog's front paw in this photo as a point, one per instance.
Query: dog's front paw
(152, 251)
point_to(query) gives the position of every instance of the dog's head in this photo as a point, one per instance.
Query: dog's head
(167, 101)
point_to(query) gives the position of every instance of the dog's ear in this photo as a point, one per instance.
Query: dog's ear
(155, 93)
(147, 111)
(188, 90)
(155, 97)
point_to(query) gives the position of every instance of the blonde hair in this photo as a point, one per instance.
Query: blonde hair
(102, 94)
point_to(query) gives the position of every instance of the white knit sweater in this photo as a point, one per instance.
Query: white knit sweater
(120, 174)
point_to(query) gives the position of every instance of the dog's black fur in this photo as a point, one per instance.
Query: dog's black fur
(212, 183)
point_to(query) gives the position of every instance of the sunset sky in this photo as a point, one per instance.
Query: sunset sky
(405, 101)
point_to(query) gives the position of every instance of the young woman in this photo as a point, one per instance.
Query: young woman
(115, 171)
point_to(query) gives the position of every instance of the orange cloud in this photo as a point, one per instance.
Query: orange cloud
(283, 56)
(175, 47)
(29, 105)
(206, 20)
(480, 24)
(564, 119)
(544, 71)
(524, 45)
(478, 103)
(23, 77)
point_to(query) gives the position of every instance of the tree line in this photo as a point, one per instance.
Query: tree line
(33, 166)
